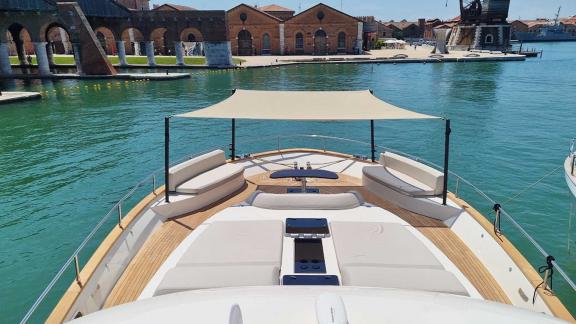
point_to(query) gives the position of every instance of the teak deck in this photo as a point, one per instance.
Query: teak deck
(160, 245)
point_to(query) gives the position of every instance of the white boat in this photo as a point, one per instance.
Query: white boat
(570, 169)
(304, 234)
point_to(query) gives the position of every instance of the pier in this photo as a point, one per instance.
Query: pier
(9, 97)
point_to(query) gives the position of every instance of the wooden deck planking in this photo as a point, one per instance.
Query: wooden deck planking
(159, 246)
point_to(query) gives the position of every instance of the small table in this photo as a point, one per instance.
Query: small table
(304, 174)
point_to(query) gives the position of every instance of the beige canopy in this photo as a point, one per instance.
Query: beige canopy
(304, 105)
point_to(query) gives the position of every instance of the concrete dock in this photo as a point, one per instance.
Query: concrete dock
(9, 97)
(121, 76)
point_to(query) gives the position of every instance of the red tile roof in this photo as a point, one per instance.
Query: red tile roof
(275, 8)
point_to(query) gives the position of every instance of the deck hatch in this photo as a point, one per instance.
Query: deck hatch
(303, 280)
(309, 256)
(307, 228)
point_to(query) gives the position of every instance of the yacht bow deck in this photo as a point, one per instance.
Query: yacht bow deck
(162, 243)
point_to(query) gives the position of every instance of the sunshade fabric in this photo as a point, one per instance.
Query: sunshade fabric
(304, 105)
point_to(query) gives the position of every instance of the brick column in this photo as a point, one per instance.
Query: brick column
(121, 52)
(5, 67)
(42, 58)
(77, 57)
(179, 53)
(150, 53)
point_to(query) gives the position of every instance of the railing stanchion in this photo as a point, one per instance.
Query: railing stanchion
(573, 163)
(120, 214)
(77, 269)
(154, 184)
(497, 209)
(457, 187)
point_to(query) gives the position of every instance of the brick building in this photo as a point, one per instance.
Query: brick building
(275, 30)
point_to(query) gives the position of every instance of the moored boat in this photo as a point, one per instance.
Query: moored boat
(305, 234)
(569, 169)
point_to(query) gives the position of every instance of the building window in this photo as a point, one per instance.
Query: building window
(191, 38)
(266, 44)
(299, 41)
(342, 40)
(489, 39)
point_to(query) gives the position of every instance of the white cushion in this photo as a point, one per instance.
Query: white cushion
(305, 201)
(204, 277)
(397, 182)
(403, 278)
(243, 242)
(421, 172)
(193, 167)
(380, 244)
(211, 179)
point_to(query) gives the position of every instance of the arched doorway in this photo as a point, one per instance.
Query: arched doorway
(107, 40)
(320, 44)
(245, 43)
(21, 44)
(299, 43)
(266, 48)
(161, 43)
(134, 40)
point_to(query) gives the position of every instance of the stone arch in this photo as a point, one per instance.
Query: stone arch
(107, 40)
(20, 41)
(134, 41)
(187, 33)
(192, 42)
(162, 44)
(245, 41)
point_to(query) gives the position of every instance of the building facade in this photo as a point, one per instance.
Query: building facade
(273, 30)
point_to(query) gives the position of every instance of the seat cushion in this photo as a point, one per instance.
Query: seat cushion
(424, 174)
(398, 182)
(305, 201)
(243, 242)
(204, 277)
(210, 179)
(380, 244)
(434, 280)
(193, 167)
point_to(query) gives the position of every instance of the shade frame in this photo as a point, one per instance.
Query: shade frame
(305, 105)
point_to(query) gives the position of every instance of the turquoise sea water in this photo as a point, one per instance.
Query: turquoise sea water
(65, 160)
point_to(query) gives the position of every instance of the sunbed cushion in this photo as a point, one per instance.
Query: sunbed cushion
(403, 278)
(430, 177)
(380, 244)
(242, 242)
(203, 277)
(210, 179)
(306, 201)
(404, 184)
(193, 167)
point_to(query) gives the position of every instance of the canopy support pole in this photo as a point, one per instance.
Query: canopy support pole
(233, 145)
(167, 157)
(372, 143)
(446, 160)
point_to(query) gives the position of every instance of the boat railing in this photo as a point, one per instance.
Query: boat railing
(463, 188)
(73, 266)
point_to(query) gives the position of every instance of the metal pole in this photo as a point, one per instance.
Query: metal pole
(573, 164)
(77, 269)
(372, 144)
(446, 160)
(233, 145)
(167, 157)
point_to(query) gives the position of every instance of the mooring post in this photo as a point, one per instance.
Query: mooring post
(446, 160)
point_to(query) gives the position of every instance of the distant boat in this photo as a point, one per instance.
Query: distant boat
(570, 168)
(547, 33)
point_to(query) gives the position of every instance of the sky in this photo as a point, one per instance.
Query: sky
(396, 9)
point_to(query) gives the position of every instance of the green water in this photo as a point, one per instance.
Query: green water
(65, 160)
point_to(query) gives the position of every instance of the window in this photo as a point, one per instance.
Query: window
(266, 42)
(489, 39)
(191, 38)
(342, 40)
(299, 41)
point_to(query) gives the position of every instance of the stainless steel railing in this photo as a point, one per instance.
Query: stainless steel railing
(152, 181)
